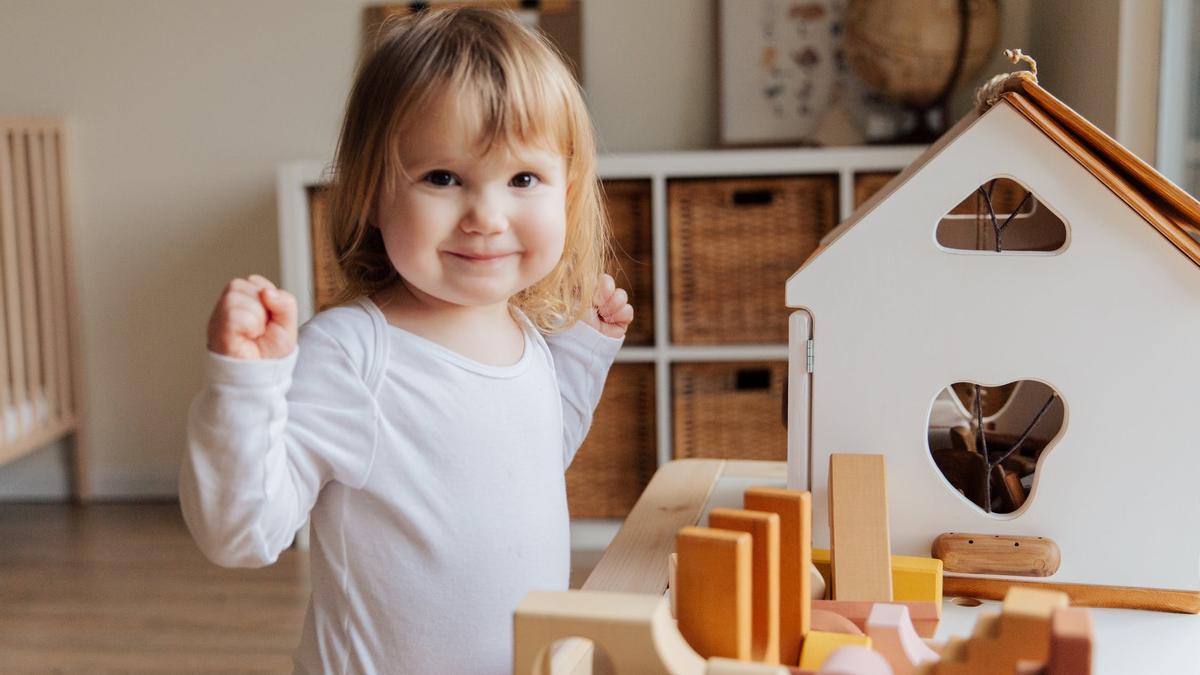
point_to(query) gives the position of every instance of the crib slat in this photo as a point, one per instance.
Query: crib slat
(61, 387)
(68, 309)
(12, 300)
(45, 302)
(28, 294)
(6, 218)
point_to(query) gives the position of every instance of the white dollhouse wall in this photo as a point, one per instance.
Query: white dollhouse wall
(1109, 321)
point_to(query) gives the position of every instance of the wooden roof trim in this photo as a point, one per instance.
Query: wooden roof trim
(1100, 143)
(1170, 225)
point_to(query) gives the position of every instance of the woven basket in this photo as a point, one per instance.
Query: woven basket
(734, 243)
(628, 204)
(868, 183)
(729, 410)
(618, 458)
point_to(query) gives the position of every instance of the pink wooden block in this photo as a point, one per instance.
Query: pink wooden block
(893, 636)
(855, 661)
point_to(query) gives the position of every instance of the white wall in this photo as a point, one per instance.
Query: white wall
(180, 113)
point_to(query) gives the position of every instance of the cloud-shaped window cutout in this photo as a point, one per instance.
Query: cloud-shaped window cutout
(988, 441)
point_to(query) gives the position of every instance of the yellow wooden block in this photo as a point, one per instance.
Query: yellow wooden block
(818, 645)
(913, 578)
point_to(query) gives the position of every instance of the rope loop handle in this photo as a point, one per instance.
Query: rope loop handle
(987, 95)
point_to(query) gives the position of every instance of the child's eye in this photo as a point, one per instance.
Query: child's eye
(440, 178)
(524, 180)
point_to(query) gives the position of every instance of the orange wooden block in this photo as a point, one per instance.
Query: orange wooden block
(712, 594)
(763, 529)
(924, 614)
(794, 508)
(858, 528)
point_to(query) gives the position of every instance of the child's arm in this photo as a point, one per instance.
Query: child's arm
(270, 428)
(582, 357)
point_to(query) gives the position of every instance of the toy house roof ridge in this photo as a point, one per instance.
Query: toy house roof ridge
(1161, 203)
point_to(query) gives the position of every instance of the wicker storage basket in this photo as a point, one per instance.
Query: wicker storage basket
(729, 410)
(733, 244)
(628, 204)
(868, 183)
(618, 458)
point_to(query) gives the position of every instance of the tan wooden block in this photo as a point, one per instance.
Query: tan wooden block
(763, 528)
(794, 508)
(858, 528)
(1070, 642)
(712, 599)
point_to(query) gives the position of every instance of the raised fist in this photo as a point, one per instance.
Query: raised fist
(253, 320)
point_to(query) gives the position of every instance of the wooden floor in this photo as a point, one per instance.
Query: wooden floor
(122, 588)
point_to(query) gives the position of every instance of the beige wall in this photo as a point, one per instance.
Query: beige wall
(180, 113)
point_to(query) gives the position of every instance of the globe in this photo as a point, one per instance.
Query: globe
(908, 50)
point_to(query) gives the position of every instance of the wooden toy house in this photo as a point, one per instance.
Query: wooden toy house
(1081, 286)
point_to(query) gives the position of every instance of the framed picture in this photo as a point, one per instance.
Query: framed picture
(777, 69)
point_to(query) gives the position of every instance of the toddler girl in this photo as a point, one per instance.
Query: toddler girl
(425, 422)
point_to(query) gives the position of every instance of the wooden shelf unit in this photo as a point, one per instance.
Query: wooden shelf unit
(857, 172)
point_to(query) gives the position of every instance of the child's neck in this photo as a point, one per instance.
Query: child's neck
(487, 334)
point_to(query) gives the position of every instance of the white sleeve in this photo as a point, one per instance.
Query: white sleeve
(582, 356)
(263, 438)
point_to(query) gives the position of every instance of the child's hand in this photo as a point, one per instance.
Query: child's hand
(253, 320)
(611, 312)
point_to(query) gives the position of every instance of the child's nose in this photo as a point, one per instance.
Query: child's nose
(485, 217)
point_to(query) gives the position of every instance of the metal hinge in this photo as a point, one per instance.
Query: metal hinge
(808, 361)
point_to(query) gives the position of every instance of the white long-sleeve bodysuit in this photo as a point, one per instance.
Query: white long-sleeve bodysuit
(434, 484)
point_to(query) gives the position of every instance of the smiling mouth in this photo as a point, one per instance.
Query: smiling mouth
(479, 257)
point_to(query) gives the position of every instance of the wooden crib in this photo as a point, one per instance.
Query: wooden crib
(39, 355)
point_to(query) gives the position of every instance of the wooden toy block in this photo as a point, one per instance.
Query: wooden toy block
(1070, 642)
(832, 622)
(914, 578)
(997, 554)
(855, 661)
(1026, 618)
(818, 646)
(794, 508)
(858, 528)
(763, 529)
(634, 631)
(712, 592)
(721, 666)
(924, 615)
(1019, 636)
(892, 636)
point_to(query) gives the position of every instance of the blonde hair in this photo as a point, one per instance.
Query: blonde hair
(523, 94)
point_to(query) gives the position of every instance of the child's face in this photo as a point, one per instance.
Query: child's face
(468, 229)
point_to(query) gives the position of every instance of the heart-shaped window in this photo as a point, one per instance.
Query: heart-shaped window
(987, 440)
